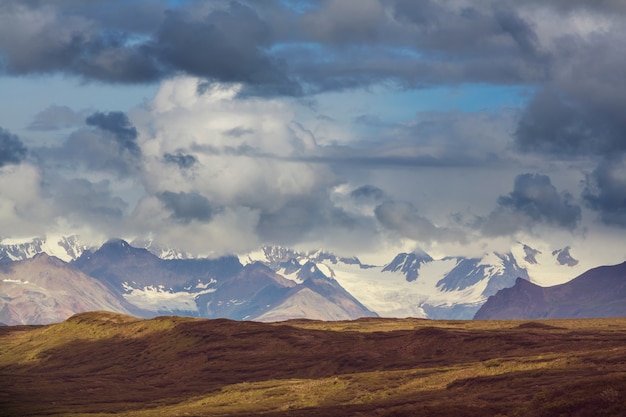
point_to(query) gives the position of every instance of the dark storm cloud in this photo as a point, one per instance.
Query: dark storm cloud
(471, 28)
(561, 125)
(367, 192)
(530, 254)
(100, 42)
(12, 150)
(605, 191)
(533, 200)
(226, 45)
(57, 117)
(279, 48)
(110, 146)
(184, 161)
(563, 257)
(68, 42)
(274, 48)
(535, 196)
(117, 123)
(186, 207)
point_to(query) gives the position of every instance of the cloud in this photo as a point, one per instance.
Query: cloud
(236, 35)
(275, 48)
(404, 219)
(118, 124)
(110, 147)
(40, 38)
(225, 41)
(12, 150)
(23, 211)
(530, 254)
(556, 124)
(533, 200)
(563, 257)
(57, 117)
(238, 132)
(184, 161)
(605, 191)
(230, 137)
(187, 207)
(80, 200)
(367, 192)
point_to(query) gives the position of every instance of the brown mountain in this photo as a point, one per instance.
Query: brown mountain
(116, 263)
(216, 288)
(599, 292)
(108, 364)
(45, 289)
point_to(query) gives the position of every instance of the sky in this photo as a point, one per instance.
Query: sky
(365, 127)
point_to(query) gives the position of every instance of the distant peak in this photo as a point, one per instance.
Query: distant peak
(119, 247)
(43, 257)
(521, 282)
(117, 242)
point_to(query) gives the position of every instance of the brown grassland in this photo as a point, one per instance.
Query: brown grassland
(105, 364)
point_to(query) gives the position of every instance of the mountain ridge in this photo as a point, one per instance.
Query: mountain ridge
(599, 292)
(44, 289)
(411, 284)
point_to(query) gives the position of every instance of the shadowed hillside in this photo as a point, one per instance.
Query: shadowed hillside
(599, 292)
(108, 364)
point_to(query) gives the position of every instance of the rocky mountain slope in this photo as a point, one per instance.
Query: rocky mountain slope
(214, 288)
(45, 289)
(599, 292)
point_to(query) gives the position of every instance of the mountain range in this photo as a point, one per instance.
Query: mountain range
(274, 283)
(121, 278)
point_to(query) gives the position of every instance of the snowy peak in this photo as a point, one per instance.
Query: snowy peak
(160, 250)
(308, 271)
(65, 248)
(20, 251)
(408, 263)
(496, 270)
(296, 265)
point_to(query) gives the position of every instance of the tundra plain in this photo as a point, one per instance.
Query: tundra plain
(101, 364)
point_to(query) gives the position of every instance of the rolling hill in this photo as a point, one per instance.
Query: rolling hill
(103, 363)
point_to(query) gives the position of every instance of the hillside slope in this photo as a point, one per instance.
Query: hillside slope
(45, 289)
(599, 292)
(109, 364)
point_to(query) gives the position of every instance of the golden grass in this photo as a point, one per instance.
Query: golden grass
(102, 364)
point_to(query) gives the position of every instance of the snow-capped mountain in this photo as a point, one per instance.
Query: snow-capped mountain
(157, 279)
(214, 288)
(412, 284)
(408, 264)
(65, 248)
(161, 251)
